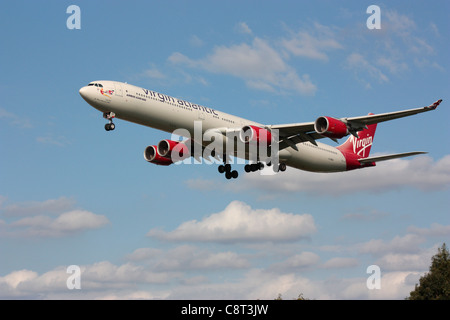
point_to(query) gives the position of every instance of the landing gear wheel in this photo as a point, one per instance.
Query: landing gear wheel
(254, 167)
(226, 168)
(231, 174)
(110, 126)
(281, 167)
(109, 116)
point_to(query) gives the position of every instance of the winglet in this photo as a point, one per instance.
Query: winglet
(434, 105)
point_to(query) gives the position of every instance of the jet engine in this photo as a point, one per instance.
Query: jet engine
(179, 149)
(151, 155)
(255, 134)
(331, 127)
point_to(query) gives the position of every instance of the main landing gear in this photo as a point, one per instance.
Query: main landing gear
(109, 116)
(226, 168)
(281, 167)
(253, 167)
(259, 166)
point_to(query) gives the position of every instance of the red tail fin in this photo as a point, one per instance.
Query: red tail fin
(356, 148)
(360, 146)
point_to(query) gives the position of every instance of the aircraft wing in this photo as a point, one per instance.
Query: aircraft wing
(377, 118)
(291, 134)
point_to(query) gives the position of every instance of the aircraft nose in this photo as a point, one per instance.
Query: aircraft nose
(83, 92)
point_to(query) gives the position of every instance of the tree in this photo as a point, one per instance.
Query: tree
(435, 285)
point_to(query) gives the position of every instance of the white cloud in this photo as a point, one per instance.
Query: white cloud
(405, 29)
(175, 271)
(187, 257)
(313, 44)
(358, 63)
(420, 173)
(394, 285)
(106, 274)
(242, 27)
(196, 42)
(67, 223)
(362, 215)
(153, 73)
(192, 258)
(17, 277)
(77, 220)
(398, 23)
(393, 65)
(52, 206)
(56, 140)
(340, 262)
(436, 230)
(50, 218)
(405, 244)
(296, 262)
(239, 222)
(14, 119)
(394, 51)
(258, 64)
(404, 261)
(101, 280)
(144, 254)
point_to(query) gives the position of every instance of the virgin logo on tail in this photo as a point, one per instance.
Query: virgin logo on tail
(360, 145)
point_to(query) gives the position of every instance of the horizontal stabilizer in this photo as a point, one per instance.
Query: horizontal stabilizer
(390, 157)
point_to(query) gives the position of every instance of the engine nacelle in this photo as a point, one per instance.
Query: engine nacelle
(179, 149)
(331, 127)
(255, 134)
(151, 155)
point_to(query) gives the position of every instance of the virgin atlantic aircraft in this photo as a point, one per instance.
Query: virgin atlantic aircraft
(294, 145)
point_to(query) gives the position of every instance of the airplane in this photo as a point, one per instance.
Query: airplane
(294, 145)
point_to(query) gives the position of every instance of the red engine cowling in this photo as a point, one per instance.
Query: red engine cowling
(255, 134)
(179, 149)
(151, 155)
(331, 127)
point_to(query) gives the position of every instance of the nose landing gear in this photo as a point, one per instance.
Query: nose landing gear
(109, 116)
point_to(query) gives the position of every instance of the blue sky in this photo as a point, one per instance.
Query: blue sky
(73, 194)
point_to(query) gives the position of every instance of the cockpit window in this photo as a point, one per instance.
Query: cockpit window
(100, 85)
(90, 84)
(96, 84)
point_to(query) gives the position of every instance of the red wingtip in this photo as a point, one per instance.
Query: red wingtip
(434, 105)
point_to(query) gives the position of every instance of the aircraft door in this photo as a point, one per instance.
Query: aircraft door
(118, 91)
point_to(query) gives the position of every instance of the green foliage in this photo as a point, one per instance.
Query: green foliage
(435, 285)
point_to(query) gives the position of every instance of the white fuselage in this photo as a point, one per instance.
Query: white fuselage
(163, 112)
